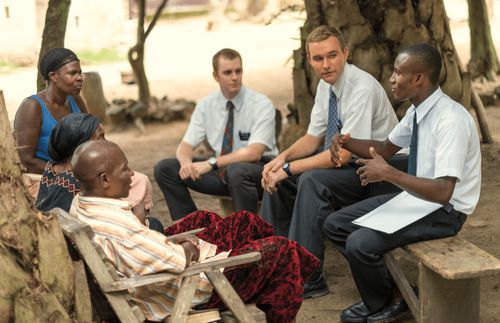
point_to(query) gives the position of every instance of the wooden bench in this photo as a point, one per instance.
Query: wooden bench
(115, 288)
(449, 273)
(227, 205)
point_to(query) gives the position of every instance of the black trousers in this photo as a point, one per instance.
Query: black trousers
(364, 248)
(242, 183)
(302, 203)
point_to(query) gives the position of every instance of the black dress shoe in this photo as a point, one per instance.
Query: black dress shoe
(357, 313)
(391, 313)
(316, 288)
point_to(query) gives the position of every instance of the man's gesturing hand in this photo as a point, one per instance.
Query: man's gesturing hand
(372, 170)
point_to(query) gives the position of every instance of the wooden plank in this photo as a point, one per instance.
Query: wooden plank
(257, 314)
(99, 271)
(184, 298)
(70, 224)
(482, 119)
(444, 300)
(455, 258)
(222, 263)
(227, 205)
(127, 283)
(187, 233)
(477, 104)
(201, 316)
(229, 296)
(83, 305)
(403, 285)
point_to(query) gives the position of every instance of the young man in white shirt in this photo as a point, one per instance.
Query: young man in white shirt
(348, 99)
(239, 125)
(444, 167)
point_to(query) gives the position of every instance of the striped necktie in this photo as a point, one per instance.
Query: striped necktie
(333, 120)
(412, 159)
(227, 139)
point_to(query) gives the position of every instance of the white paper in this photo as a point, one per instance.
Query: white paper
(397, 213)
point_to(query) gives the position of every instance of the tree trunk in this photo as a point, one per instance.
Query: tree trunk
(37, 278)
(375, 31)
(136, 54)
(54, 31)
(484, 61)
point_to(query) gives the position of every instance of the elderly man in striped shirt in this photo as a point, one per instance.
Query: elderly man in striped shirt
(275, 283)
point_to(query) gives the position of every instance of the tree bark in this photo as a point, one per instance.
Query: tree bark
(37, 280)
(484, 61)
(375, 31)
(54, 32)
(136, 53)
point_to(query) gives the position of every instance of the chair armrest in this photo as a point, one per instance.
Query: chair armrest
(197, 268)
(211, 265)
(187, 233)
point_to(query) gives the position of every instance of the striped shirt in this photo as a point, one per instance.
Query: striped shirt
(136, 250)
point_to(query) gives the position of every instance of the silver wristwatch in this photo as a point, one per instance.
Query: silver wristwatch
(212, 161)
(286, 168)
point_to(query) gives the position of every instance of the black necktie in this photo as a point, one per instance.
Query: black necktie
(412, 159)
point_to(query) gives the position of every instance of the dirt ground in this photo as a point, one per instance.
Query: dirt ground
(180, 67)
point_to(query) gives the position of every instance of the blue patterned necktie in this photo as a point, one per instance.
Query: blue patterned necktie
(412, 159)
(333, 120)
(227, 139)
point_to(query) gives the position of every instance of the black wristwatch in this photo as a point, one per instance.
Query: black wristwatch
(286, 168)
(212, 161)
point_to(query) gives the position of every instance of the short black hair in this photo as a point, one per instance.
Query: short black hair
(427, 58)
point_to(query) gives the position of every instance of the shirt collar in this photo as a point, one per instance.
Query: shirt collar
(427, 104)
(237, 100)
(339, 85)
(122, 204)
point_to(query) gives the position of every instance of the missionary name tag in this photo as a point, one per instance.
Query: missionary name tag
(244, 136)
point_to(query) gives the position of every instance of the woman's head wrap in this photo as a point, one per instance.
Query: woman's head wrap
(70, 132)
(54, 59)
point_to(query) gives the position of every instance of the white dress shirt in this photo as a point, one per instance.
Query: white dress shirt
(364, 108)
(254, 121)
(448, 145)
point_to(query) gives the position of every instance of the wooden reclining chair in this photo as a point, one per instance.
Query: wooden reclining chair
(115, 288)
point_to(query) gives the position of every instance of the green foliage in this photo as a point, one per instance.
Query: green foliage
(180, 14)
(7, 67)
(102, 56)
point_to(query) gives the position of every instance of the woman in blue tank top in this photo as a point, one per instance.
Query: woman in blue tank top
(38, 114)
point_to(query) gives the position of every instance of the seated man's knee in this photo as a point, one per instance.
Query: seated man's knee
(236, 173)
(308, 177)
(331, 227)
(359, 244)
(166, 167)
